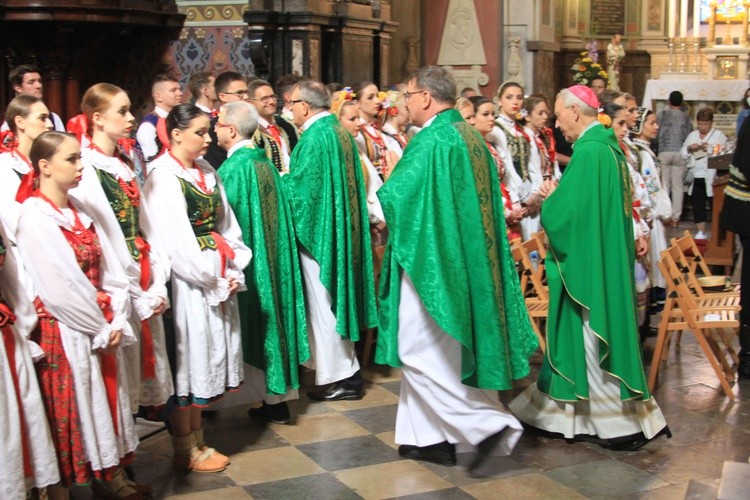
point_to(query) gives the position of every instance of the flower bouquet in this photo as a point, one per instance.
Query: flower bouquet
(584, 69)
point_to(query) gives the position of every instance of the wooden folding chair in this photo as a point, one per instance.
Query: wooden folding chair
(541, 238)
(710, 320)
(535, 293)
(692, 263)
(537, 254)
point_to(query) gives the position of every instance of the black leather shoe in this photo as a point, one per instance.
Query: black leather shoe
(337, 392)
(637, 441)
(441, 453)
(277, 414)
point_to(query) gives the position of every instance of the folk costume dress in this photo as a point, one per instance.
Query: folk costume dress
(327, 196)
(272, 310)
(371, 142)
(523, 174)
(451, 311)
(84, 298)
(661, 209)
(188, 216)
(592, 380)
(273, 139)
(110, 194)
(16, 184)
(25, 440)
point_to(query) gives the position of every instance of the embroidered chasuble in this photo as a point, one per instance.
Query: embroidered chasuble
(588, 220)
(272, 310)
(329, 208)
(444, 211)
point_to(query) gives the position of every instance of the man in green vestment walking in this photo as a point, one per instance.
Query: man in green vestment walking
(591, 385)
(272, 310)
(327, 195)
(452, 315)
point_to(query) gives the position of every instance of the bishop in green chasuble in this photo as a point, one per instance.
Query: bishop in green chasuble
(592, 381)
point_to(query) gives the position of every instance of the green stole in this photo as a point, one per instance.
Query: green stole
(588, 220)
(125, 212)
(327, 195)
(272, 310)
(444, 211)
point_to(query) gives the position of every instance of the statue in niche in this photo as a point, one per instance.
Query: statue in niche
(615, 55)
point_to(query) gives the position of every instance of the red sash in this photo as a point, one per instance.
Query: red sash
(148, 361)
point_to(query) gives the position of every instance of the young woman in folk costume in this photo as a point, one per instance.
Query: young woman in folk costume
(370, 140)
(617, 119)
(645, 131)
(25, 439)
(27, 118)
(523, 168)
(188, 215)
(483, 119)
(83, 312)
(393, 119)
(110, 194)
(536, 115)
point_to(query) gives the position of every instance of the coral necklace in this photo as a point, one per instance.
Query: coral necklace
(130, 188)
(200, 180)
(84, 234)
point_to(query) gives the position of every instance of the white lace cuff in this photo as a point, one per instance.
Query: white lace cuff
(239, 276)
(218, 293)
(35, 350)
(101, 339)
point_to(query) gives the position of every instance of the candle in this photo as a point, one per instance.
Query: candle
(696, 19)
(672, 18)
(683, 18)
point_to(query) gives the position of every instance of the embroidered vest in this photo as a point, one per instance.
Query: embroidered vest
(125, 212)
(202, 210)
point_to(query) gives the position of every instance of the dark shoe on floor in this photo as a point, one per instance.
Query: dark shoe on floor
(277, 414)
(637, 441)
(442, 453)
(743, 370)
(337, 392)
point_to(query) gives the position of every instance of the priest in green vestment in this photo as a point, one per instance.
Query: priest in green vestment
(452, 316)
(272, 310)
(592, 384)
(327, 195)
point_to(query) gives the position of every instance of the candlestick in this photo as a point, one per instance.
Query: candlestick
(743, 36)
(670, 63)
(696, 54)
(683, 55)
(711, 39)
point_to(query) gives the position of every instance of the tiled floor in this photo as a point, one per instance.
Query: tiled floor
(345, 450)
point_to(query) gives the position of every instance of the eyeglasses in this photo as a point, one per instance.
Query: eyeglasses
(267, 98)
(407, 95)
(218, 125)
(239, 93)
(293, 102)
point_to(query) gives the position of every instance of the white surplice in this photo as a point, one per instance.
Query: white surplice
(71, 299)
(434, 406)
(206, 317)
(603, 415)
(42, 456)
(332, 357)
(91, 197)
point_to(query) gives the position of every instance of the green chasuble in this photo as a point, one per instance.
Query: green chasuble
(444, 211)
(272, 310)
(588, 220)
(327, 195)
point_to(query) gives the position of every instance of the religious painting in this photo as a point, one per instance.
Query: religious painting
(726, 10)
(727, 67)
(654, 11)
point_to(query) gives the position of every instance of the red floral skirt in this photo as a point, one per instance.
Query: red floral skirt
(58, 393)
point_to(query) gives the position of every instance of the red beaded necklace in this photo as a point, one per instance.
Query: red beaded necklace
(130, 188)
(200, 180)
(84, 234)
